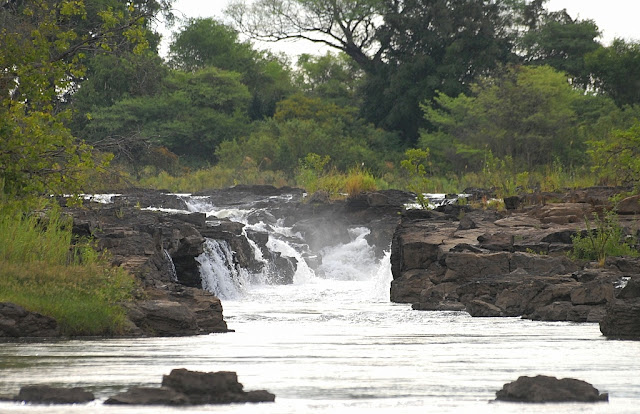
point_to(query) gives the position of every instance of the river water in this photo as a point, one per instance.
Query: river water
(335, 344)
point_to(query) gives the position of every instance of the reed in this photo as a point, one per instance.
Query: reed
(43, 271)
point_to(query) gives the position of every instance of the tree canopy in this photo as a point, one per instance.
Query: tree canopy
(44, 46)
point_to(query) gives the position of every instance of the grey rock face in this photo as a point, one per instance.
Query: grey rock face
(543, 389)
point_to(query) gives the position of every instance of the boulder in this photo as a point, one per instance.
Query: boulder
(629, 205)
(481, 308)
(622, 319)
(543, 389)
(162, 317)
(16, 321)
(183, 387)
(44, 394)
(564, 213)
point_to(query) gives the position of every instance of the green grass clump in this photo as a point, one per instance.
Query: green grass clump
(604, 237)
(42, 271)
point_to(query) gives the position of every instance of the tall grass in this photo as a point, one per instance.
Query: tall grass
(41, 270)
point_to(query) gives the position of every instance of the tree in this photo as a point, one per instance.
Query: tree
(330, 77)
(191, 116)
(557, 40)
(43, 46)
(346, 25)
(616, 70)
(206, 43)
(527, 114)
(304, 125)
(408, 50)
(618, 156)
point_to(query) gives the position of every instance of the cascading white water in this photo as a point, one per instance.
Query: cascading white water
(351, 261)
(220, 274)
(172, 266)
(354, 260)
(333, 343)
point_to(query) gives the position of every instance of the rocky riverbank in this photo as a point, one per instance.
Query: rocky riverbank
(515, 263)
(153, 236)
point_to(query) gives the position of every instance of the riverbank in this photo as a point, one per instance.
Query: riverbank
(456, 257)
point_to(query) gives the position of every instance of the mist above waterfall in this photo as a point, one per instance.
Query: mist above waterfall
(311, 248)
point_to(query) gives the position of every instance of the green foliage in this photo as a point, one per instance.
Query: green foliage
(616, 70)
(203, 43)
(414, 166)
(359, 180)
(44, 270)
(43, 48)
(407, 50)
(38, 154)
(217, 176)
(561, 42)
(196, 112)
(304, 125)
(618, 156)
(330, 77)
(526, 114)
(313, 175)
(602, 238)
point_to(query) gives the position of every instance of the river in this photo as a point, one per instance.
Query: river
(335, 344)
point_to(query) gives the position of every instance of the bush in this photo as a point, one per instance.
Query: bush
(43, 270)
(605, 239)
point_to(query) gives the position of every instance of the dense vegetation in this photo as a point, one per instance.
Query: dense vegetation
(425, 95)
(40, 271)
(498, 93)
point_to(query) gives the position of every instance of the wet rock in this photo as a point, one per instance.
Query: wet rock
(44, 394)
(163, 318)
(513, 265)
(512, 203)
(543, 389)
(183, 387)
(16, 321)
(148, 396)
(206, 308)
(631, 290)
(480, 308)
(622, 319)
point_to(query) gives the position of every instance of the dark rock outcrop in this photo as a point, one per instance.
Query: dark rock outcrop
(622, 316)
(183, 387)
(545, 389)
(44, 394)
(509, 264)
(16, 321)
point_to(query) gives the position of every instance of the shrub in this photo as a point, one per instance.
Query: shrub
(605, 239)
(44, 270)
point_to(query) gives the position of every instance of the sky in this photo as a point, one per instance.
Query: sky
(615, 18)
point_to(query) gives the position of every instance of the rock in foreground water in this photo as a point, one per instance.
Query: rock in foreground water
(541, 389)
(44, 394)
(183, 387)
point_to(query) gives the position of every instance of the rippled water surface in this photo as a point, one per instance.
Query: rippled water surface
(332, 343)
(330, 346)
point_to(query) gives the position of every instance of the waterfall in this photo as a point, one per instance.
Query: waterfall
(286, 256)
(172, 266)
(220, 274)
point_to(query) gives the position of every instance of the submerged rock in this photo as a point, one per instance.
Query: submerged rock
(184, 387)
(542, 389)
(44, 394)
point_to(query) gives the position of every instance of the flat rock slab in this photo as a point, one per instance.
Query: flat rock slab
(183, 387)
(542, 389)
(44, 394)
